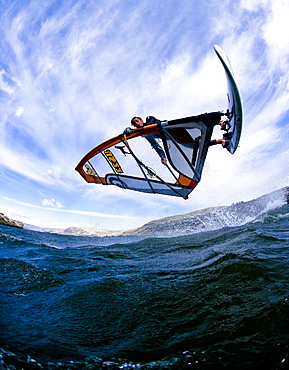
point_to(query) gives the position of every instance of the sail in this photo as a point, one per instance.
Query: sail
(129, 162)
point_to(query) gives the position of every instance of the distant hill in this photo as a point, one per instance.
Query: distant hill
(213, 218)
(73, 230)
(203, 220)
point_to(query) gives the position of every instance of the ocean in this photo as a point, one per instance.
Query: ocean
(215, 299)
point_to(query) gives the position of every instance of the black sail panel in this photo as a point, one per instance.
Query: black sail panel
(186, 143)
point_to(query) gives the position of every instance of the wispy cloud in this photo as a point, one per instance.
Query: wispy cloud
(51, 203)
(55, 206)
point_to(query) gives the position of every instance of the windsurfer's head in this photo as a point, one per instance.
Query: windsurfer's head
(137, 122)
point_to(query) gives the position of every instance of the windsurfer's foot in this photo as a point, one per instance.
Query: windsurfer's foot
(225, 143)
(225, 125)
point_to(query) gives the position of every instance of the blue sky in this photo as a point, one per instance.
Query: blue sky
(74, 72)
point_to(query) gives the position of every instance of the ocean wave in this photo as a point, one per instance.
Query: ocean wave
(20, 277)
(210, 299)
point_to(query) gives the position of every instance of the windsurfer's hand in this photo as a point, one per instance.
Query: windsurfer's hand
(127, 131)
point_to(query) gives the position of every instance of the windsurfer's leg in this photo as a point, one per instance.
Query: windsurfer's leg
(219, 141)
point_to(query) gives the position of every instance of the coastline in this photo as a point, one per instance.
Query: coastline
(4, 220)
(174, 225)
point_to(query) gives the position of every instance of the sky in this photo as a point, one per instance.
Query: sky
(74, 72)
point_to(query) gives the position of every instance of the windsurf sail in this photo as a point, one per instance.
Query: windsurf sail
(128, 162)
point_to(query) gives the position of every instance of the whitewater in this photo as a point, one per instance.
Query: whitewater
(213, 299)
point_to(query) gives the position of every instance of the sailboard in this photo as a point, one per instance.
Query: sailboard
(234, 111)
(128, 162)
